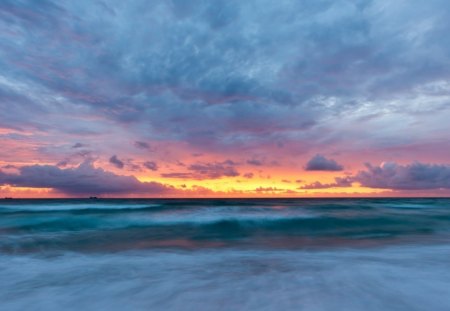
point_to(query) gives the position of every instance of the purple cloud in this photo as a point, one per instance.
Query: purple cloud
(84, 179)
(151, 165)
(390, 175)
(213, 170)
(78, 145)
(320, 163)
(143, 145)
(415, 176)
(114, 160)
(254, 162)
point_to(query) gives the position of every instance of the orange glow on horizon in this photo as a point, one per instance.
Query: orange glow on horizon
(265, 182)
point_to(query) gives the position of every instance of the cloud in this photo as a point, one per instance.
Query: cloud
(414, 176)
(143, 145)
(84, 179)
(116, 162)
(151, 165)
(62, 163)
(283, 80)
(320, 163)
(78, 145)
(248, 175)
(131, 166)
(181, 175)
(260, 73)
(339, 182)
(393, 176)
(254, 162)
(213, 170)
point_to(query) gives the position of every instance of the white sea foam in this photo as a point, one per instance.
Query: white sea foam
(389, 278)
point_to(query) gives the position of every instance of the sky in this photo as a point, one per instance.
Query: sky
(224, 98)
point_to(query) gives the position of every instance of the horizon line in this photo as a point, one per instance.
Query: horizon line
(225, 198)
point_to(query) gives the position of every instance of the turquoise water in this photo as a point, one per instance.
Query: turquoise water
(277, 254)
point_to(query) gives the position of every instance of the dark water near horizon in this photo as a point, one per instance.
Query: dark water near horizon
(228, 254)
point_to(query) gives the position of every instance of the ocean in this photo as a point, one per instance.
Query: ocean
(225, 254)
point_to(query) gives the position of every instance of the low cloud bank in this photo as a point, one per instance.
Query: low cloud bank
(393, 176)
(415, 176)
(84, 179)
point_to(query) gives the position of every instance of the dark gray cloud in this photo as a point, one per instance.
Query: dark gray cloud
(415, 176)
(202, 54)
(143, 145)
(114, 160)
(78, 145)
(62, 163)
(84, 179)
(151, 165)
(321, 163)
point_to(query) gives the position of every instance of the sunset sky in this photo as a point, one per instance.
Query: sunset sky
(224, 98)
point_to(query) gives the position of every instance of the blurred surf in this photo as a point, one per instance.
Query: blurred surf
(304, 254)
(86, 225)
